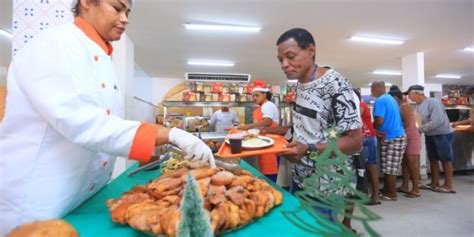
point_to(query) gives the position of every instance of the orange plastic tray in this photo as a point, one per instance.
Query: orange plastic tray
(277, 147)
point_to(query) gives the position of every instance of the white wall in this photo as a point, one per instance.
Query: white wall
(142, 87)
(432, 87)
(162, 85)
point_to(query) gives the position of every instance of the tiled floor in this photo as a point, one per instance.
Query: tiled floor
(432, 214)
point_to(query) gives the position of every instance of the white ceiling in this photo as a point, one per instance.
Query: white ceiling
(440, 28)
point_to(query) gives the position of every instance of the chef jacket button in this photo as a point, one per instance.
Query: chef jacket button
(108, 111)
(104, 164)
(116, 87)
(92, 187)
(102, 85)
(96, 58)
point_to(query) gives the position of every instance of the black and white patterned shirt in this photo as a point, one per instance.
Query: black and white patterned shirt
(320, 104)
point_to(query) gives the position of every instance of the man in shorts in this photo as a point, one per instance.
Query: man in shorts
(434, 123)
(391, 137)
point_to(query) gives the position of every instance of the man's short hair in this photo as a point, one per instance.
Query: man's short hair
(301, 36)
(378, 84)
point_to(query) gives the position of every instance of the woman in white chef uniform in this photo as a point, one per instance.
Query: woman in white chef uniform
(64, 125)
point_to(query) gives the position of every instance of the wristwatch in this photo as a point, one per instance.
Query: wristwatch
(312, 153)
(311, 147)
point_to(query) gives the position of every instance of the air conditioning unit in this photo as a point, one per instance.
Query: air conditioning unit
(217, 77)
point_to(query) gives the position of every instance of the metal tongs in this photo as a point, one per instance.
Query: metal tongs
(167, 149)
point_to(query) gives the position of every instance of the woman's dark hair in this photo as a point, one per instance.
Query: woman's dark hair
(394, 88)
(396, 93)
(75, 8)
(357, 92)
(269, 95)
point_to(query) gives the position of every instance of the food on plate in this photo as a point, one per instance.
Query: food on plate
(230, 199)
(49, 228)
(254, 142)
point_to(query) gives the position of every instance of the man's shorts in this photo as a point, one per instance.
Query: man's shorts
(391, 154)
(440, 147)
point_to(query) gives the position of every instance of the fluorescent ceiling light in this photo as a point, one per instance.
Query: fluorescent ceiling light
(211, 63)
(376, 40)
(6, 34)
(449, 76)
(469, 49)
(222, 27)
(293, 81)
(386, 72)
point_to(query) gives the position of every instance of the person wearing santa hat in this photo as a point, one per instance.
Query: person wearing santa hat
(266, 115)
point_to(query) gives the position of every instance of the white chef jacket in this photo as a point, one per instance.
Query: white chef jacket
(63, 126)
(224, 120)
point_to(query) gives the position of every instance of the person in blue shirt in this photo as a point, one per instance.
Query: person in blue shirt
(391, 137)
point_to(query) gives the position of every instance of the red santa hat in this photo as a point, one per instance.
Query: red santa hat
(260, 86)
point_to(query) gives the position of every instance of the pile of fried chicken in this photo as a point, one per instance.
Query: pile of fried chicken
(231, 199)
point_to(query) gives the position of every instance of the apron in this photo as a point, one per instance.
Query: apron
(267, 163)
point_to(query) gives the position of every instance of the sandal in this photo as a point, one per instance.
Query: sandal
(426, 187)
(443, 190)
(412, 195)
(373, 203)
(400, 190)
(386, 198)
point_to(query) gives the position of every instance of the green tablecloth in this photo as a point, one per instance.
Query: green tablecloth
(92, 218)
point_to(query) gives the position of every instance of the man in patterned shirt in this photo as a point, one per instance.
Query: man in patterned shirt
(324, 99)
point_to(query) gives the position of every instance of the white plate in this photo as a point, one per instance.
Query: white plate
(245, 145)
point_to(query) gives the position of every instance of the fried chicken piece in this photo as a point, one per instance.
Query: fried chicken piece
(165, 219)
(46, 228)
(173, 224)
(148, 221)
(171, 199)
(164, 187)
(247, 211)
(216, 194)
(236, 195)
(222, 178)
(260, 199)
(219, 217)
(203, 185)
(242, 172)
(118, 207)
(165, 184)
(278, 196)
(237, 182)
(140, 207)
(270, 201)
(175, 173)
(247, 179)
(200, 173)
(233, 218)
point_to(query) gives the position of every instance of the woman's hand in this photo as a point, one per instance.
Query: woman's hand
(195, 149)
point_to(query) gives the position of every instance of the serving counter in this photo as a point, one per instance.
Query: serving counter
(92, 218)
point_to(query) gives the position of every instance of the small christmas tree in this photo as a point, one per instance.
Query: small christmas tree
(330, 184)
(194, 222)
